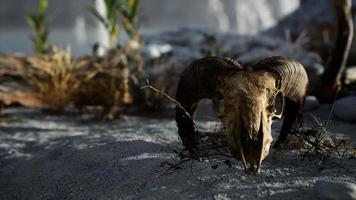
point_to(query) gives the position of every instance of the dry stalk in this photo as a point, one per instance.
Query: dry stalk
(109, 87)
(168, 97)
(152, 99)
(214, 155)
(319, 146)
(53, 78)
(211, 150)
(56, 80)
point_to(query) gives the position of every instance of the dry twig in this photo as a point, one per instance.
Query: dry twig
(168, 97)
(319, 146)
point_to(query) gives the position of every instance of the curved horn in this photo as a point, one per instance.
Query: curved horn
(198, 81)
(293, 85)
(292, 78)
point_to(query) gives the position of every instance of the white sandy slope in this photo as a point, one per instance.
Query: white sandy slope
(71, 157)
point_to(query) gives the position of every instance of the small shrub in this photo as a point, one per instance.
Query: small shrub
(109, 20)
(316, 144)
(108, 87)
(122, 13)
(53, 78)
(37, 21)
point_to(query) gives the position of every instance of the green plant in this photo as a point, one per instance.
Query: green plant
(127, 12)
(109, 19)
(122, 13)
(37, 21)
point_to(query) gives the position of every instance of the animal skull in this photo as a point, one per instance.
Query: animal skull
(251, 100)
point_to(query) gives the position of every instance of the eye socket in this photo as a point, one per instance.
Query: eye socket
(276, 105)
(279, 103)
(271, 109)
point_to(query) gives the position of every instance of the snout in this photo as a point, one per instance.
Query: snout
(247, 142)
(251, 123)
(252, 145)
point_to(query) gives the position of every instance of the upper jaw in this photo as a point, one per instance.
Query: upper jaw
(252, 149)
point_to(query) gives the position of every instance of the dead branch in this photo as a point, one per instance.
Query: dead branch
(213, 150)
(173, 100)
(168, 97)
(56, 80)
(319, 146)
(331, 79)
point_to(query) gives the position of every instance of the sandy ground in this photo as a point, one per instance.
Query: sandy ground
(71, 157)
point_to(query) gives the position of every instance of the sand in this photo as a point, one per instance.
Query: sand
(70, 157)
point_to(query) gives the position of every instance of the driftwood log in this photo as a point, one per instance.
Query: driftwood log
(331, 79)
(57, 80)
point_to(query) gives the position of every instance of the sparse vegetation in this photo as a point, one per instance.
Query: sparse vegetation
(57, 80)
(319, 147)
(123, 12)
(108, 19)
(53, 78)
(37, 21)
(109, 86)
(127, 12)
(116, 13)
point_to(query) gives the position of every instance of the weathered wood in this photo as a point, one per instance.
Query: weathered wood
(56, 80)
(331, 79)
(14, 89)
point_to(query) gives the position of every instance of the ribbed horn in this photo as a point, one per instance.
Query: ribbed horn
(293, 85)
(292, 75)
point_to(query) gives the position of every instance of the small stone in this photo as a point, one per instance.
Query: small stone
(311, 103)
(156, 50)
(345, 109)
(335, 190)
(317, 68)
(350, 75)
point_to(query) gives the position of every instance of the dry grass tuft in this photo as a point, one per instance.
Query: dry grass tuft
(107, 86)
(55, 81)
(315, 144)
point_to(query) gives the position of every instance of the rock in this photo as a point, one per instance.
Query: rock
(350, 75)
(311, 103)
(316, 68)
(170, 52)
(345, 109)
(156, 50)
(335, 190)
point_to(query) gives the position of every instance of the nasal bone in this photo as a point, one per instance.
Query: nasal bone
(254, 130)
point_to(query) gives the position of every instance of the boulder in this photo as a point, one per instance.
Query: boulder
(345, 109)
(311, 103)
(330, 190)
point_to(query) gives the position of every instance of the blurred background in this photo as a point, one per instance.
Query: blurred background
(157, 39)
(71, 23)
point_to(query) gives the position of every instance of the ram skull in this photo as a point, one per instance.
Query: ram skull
(252, 98)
